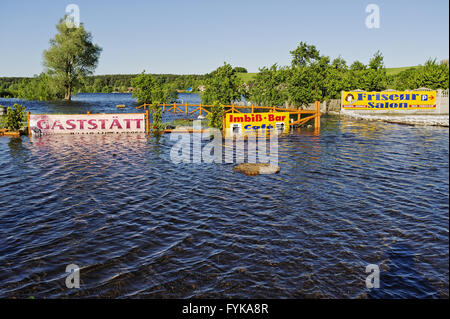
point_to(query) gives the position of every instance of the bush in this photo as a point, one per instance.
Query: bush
(14, 117)
(156, 112)
(215, 117)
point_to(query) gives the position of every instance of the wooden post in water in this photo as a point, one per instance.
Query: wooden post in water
(253, 108)
(174, 107)
(186, 108)
(28, 121)
(223, 125)
(147, 120)
(317, 118)
(164, 107)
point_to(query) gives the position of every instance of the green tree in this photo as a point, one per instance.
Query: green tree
(40, 87)
(301, 86)
(304, 54)
(319, 70)
(269, 86)
(156, 112)
(14, 117)
(147, 89)
(215, 117)
(337, 79)
(223, 85)
(357, 66)
(71, 56)
(240, 69)
(432, 75)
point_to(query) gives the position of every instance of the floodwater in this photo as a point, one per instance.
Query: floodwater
(140, 226)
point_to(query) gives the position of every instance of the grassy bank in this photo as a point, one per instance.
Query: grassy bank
(395, 71)
(247, 77)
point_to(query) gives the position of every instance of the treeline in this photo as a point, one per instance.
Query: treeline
(42, 87)
(312, 76)
(121, 82)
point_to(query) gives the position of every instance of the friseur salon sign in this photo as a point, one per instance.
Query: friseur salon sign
(87, 123)
(401, 100)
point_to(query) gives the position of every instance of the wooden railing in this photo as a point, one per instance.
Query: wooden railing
(298, 119)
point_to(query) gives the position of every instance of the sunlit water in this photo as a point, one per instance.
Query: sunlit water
(141, 226)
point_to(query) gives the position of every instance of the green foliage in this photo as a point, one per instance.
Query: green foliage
(222, 85)
(301, 86)
(215, 117)
(304, 54)
(269, 86)
(71, 56)
(240, 69)
(357, 66)
(432, 75)
(156, 112)
(313, 77)
(14, 117)
(147, 89)
(42, 88)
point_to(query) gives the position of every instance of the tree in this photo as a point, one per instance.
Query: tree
(269, 86)
(432, 76)
(357, 66)
(319, 70)
(375, 77)
(14, 117)
(240, 69)
(71, 56)
(215, 117)
(223, 86)
(301, 88)
(147, 89)
(304, 54)
(40, 87)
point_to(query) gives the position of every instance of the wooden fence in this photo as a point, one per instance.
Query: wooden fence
(300, 116)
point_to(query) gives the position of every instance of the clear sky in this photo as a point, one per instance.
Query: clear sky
(197, 36)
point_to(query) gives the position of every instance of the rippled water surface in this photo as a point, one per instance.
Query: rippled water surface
(141, 226)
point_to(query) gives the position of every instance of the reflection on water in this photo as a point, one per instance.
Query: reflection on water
(138, 225)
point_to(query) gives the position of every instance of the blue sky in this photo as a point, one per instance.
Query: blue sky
(197, 36)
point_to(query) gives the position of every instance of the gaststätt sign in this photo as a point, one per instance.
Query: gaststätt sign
(250, 123)
(87, 123)
(401, 100)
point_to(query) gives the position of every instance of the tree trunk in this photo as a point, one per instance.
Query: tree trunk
(68, 96)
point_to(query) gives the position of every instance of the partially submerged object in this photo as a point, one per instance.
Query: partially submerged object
(253, 169)
(121, 106)
(6, 132)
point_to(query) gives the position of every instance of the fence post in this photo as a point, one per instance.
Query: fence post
(28, 121)
(164, 107)
(174, 107)
(186, 108)
(223, 125)
(147, 118)
(317, 118)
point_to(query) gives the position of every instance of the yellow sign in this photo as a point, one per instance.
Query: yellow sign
(401, 100)
(251, 123)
